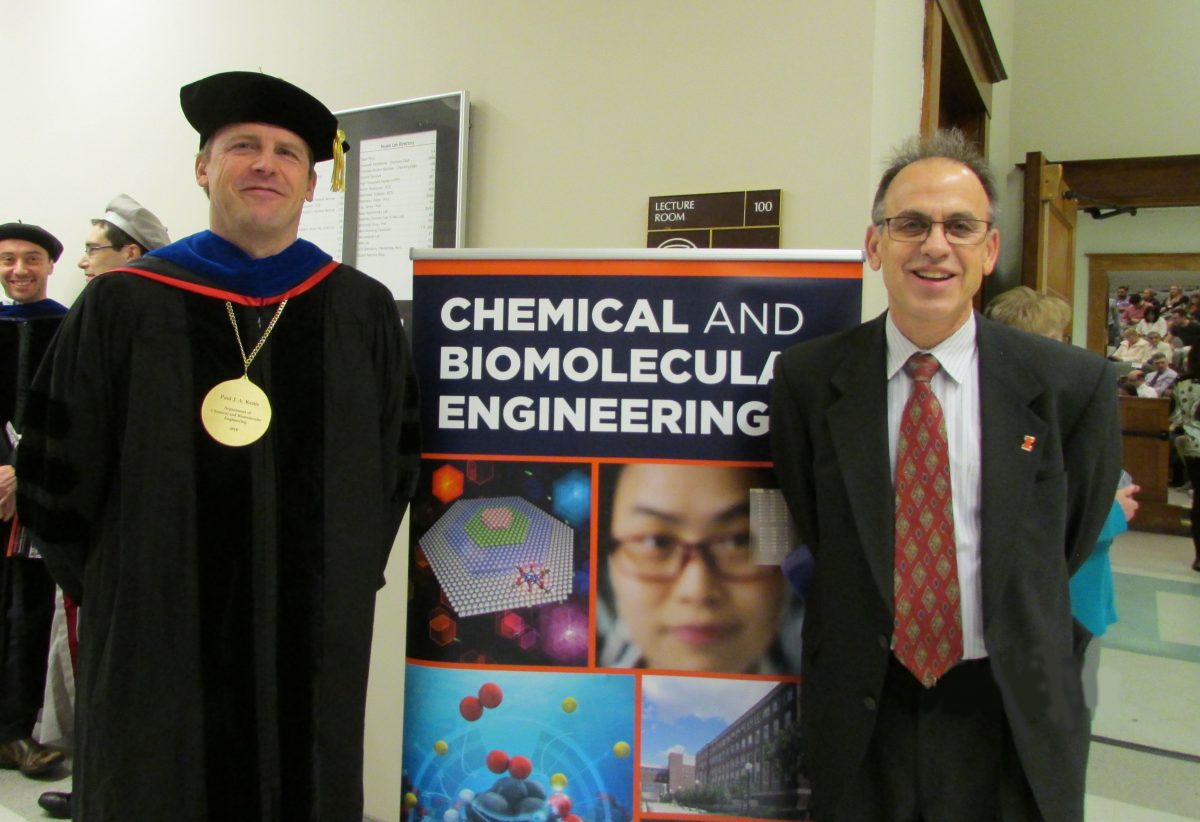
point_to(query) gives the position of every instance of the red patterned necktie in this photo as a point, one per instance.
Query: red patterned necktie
(927, 635)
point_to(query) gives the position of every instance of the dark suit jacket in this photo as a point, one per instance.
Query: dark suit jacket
(1042, 510)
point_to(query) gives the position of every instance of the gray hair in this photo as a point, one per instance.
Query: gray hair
(950, 144)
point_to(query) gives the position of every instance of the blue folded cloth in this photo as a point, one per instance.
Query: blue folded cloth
(798, 567)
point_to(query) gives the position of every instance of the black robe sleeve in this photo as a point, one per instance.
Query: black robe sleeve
(64, 460)
(399, 421)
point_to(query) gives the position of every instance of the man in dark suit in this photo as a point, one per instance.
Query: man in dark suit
(963, 702)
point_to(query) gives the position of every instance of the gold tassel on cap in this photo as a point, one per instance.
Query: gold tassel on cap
(339, 162)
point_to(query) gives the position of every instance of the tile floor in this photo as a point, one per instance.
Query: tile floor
(1145, 758)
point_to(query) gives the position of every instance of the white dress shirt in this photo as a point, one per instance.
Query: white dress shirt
(956, 385)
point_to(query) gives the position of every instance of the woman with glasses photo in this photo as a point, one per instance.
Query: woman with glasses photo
(679, 589)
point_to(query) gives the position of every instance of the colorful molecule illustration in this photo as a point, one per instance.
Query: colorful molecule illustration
(479, 548)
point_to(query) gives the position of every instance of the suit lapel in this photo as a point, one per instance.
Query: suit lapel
(1012, 435)
(857, 422)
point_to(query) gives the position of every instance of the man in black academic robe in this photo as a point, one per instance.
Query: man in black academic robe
(228, 589)
(27, 257)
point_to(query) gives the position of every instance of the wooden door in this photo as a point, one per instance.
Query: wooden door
(1048, 244)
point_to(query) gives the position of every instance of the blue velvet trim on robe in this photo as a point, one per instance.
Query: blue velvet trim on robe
(229, 268)
(32, 311)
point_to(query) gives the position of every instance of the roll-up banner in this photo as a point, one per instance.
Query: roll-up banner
(598, 628)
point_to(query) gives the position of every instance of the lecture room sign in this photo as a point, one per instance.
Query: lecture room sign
(730, 219)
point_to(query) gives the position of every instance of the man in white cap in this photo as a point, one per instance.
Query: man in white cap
(229, 441)
(125, 232)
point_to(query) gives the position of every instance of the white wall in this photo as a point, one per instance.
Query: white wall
(1101, 80)
(897, 78)
(581, 111)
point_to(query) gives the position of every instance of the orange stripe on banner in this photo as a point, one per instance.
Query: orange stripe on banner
(605, 460)
(715, 463)
(640, 268)
(578, 669)
(672, 674)
(503, 458)
(510, 667)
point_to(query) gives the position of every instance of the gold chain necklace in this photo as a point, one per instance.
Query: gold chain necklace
(237, 412)
(261, 340)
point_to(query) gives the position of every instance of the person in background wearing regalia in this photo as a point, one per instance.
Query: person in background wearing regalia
(230, 440)
(27, 257)
(127, 231)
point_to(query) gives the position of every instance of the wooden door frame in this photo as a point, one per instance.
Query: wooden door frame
(961, 64)
(1102, 268)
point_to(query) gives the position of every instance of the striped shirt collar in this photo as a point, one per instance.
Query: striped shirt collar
(956, 353)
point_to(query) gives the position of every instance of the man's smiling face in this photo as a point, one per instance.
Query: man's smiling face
(24, 270)
(931, 283)
(258, 178)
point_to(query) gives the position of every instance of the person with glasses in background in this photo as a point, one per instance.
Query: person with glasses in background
(125, 232)
(679, 586)
(948, 474)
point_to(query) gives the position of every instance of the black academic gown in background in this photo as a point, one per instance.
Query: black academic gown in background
(227, 593)
(26, 589)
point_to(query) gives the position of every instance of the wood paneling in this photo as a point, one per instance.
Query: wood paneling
(1146, 456)
(1142, 182)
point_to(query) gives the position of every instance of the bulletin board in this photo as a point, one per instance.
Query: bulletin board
(406, 175)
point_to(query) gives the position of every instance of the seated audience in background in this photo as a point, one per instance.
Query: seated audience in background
(1113, 324)
(1150, 299)
(1134, 311)
(1161, 376)
(1193, 307)
(1132, 348)
(1151, 321)
(1122, 298)
(1092, 599)
(1133, 384)
(1175, 299)
(1187, 442)
(1158, 345)
(1183, 332)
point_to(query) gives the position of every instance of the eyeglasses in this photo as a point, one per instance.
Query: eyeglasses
(662, 557)
(92, 249)
(958, 231)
